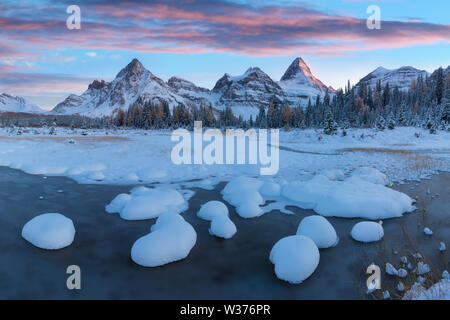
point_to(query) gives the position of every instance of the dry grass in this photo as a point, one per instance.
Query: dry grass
(417, 163)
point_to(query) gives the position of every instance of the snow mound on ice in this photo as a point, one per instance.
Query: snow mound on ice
(49, 231)
(222, 227)
(171, 239)
(243, 193)
(212, 209)
(319, 230)
(371, 175)
(145, 203)
(118, 203)
(270, 189)
(351, 198)
(367, 231)
(295, 258)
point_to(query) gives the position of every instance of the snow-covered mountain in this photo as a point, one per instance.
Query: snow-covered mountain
(131, 83)
(401, 78)
(190, 91)
(253, 88)
(10, 103)
(300, 84)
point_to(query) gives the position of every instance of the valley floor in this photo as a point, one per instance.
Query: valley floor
(78, 172)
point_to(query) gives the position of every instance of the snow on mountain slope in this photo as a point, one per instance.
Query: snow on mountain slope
(300, 84)
(401, 77)
(10, 103)
(190, 91)
(254, 88)
(131, 83)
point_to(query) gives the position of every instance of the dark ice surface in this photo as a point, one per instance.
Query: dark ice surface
(215, 269)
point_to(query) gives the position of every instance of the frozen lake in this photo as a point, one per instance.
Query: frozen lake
(215, 269)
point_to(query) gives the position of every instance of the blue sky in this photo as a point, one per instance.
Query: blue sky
(200, 40)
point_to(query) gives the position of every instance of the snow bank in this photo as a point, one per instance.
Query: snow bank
(333, 174)
(145, 203)
(243, 193)
(371, 175)
(171, 239)
(319, 230)
(222, 227)
(367, 231)
(49, 231)
(212, 209)
(295, 258)
(351, 198)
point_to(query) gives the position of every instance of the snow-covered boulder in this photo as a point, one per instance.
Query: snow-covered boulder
(351, 198)
(212, 209)
(145, 203)
(243, 193)
(171, 239)
(49, 231)
(320, 230)
(367, 231)
(295, 258)
(222, 227)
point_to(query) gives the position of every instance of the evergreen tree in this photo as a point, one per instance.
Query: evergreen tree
(329, 127)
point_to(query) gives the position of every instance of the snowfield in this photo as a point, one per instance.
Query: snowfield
(138, 156)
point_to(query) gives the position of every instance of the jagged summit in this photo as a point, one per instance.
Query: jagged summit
(134, 68)
(299, 74)
(298, 65)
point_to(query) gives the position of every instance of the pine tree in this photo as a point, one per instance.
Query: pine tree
(391, 121)
(380, 123)
(329, 127)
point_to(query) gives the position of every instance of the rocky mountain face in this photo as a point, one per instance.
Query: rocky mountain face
(190, 91)
(131, 83)
(401, 78)
(244, 93)
(10, 103)
(300, 84)
(251, 90)
(254, 88)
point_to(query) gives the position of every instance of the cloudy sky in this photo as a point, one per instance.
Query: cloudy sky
(200, 40)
